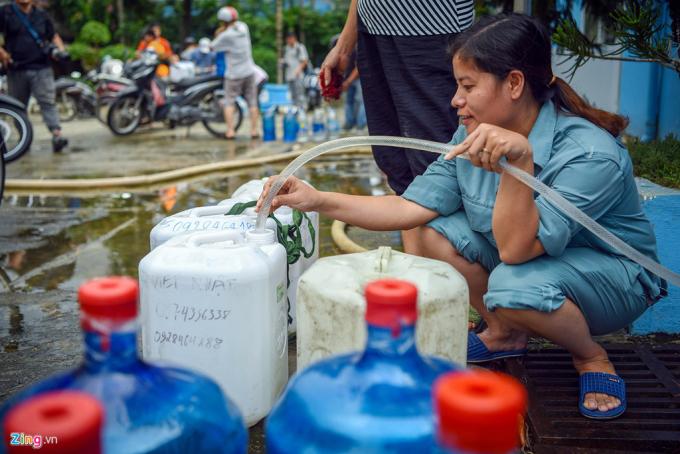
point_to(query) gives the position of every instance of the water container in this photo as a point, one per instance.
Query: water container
(148, 408)
(303, 133)
(330, 308)
(216, 302)
(479, 412)
(66, 422)
(319, 125)
(269, 124)
(310, 239)
(210, 218)
(290, 125)
(332, 123)
(377, 401)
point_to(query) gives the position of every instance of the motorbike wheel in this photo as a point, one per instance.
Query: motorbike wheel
(213, 115)
(124, 116)
(16, 130)
(67, 107)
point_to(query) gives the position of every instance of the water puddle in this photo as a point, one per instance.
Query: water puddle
(57, 242)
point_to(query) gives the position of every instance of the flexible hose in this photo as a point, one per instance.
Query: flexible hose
(435, 147)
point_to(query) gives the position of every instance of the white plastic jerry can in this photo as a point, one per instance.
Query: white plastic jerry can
(251, 191)
(209, 218)
(216, 302)
(331, 304)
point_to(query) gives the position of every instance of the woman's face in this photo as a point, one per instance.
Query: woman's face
(481, 97)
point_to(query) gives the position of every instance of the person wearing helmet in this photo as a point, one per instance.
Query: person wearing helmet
(239, 78)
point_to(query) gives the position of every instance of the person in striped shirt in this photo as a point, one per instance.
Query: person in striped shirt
(406, 78)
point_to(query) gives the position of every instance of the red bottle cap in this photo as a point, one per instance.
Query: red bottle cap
(109, 297)
(480, 411)
(62, 422)
(391, 303)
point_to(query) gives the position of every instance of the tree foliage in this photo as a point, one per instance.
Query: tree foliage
(82, 22)
(638, 31)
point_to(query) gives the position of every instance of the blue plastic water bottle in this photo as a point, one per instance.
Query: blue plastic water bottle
(269, 124)
(319, 125)
(290, 125)
(63, 422)
(377, 401)
(149, 409)
(479, 412)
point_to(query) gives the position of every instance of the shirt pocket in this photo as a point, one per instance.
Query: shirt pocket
(479, 214)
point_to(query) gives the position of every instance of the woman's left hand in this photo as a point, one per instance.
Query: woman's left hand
(488, 144)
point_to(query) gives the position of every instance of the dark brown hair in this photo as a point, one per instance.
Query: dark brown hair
(502, 43)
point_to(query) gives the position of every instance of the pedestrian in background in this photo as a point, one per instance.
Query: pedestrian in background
(203, 57)
(239, 78)
(295, 61)
(30, 45)
(406, 78)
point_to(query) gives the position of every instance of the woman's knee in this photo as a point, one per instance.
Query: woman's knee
(434, 245)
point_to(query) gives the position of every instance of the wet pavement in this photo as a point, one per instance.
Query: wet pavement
(52, 243)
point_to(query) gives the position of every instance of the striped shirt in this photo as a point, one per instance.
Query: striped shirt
(416, 17)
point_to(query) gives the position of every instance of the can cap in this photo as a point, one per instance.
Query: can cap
(391, 303)
(110, 297)
(479, 411)
(73, 418)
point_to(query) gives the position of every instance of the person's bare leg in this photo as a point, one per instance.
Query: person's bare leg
(410, 239)
(229, 120)
(498, 335)
(254, 121)
(567, 327)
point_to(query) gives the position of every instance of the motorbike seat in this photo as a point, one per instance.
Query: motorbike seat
(190, 81)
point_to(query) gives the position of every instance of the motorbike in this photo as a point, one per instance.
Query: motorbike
(177, 104)
(74, 97)
(3, 150)
(15, 128)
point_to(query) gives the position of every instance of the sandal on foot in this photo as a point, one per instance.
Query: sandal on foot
(600, 382)
(478, 353)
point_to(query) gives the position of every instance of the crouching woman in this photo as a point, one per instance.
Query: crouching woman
(531, 269)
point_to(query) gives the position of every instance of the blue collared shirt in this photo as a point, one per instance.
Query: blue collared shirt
(582, 162)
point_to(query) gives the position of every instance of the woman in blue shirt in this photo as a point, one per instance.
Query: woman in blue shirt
(531, 270)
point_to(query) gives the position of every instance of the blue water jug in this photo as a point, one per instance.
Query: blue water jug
(290, 125)
(478, 412)
(377, 401)
(148, 408)
(64, 422)
(269, 124)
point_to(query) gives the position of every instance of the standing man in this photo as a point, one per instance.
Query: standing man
(30, 44)
(295, 60)
(239, 79)
(406, 78)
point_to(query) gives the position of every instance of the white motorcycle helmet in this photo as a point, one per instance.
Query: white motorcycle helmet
(227, 14)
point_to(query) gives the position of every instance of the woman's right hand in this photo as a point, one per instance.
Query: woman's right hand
(294, 193)
(337, 59)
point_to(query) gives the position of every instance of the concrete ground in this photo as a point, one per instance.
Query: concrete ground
(50, 243)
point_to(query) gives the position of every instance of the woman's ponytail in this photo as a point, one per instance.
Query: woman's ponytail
(567, 99)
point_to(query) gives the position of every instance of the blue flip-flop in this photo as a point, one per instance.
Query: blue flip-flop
(478, 353)
(600, 382)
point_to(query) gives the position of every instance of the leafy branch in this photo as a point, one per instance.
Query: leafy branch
(637, 31)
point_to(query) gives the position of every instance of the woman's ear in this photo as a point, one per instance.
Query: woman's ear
(515, 81)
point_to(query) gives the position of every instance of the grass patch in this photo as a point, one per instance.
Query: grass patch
(658, 161)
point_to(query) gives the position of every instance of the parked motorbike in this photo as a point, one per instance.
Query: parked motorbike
(15, 128)
(74, 97)
(178, 104)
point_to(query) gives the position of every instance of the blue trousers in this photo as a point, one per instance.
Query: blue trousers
(355, 114)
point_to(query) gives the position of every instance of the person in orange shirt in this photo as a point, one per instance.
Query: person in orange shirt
(152, 39)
